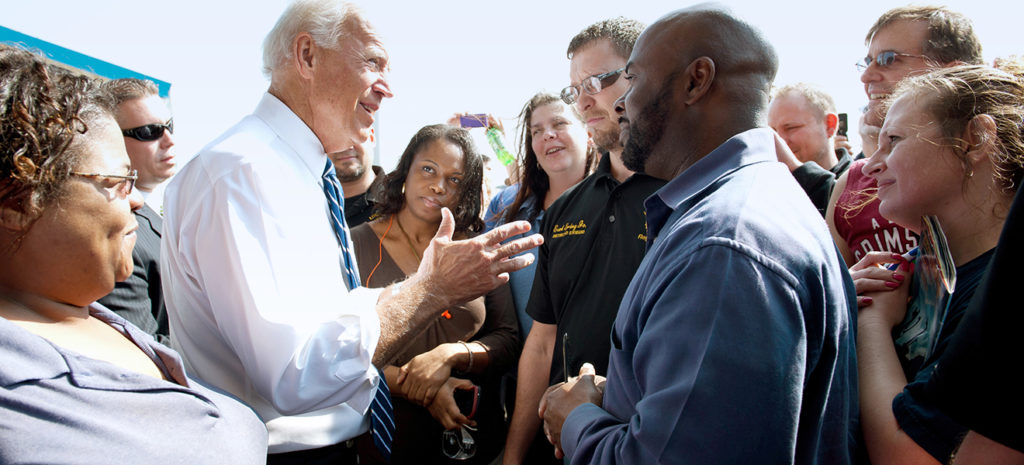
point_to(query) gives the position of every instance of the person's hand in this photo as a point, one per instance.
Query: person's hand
(443, 407)
(493, 122)
(871, 274)
(785, 154)
(870, 127)
(458, 271)
(881, 288)
(424, 375)
(562, 398)
(843, 142)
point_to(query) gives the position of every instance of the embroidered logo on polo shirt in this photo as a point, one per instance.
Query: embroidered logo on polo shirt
(643, 236)
(569, 229)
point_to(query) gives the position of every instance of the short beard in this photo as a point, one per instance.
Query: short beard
(606, 141)
(646, 130)
(635, 153)
(353, 174)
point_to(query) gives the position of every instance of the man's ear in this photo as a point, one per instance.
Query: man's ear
(697, 79)
(304, 54)
(831, 124)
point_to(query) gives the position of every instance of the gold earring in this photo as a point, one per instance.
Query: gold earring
(403, 188)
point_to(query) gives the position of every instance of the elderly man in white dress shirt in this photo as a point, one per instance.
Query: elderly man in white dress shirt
(251, 262)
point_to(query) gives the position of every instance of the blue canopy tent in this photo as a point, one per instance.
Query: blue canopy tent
(78, 61)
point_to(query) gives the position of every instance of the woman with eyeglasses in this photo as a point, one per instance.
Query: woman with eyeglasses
(952, 147)
(468, 345)
(80, 384)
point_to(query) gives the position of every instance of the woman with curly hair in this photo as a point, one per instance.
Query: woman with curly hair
(79, 383)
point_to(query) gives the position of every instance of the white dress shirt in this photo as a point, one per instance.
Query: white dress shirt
(254, 283)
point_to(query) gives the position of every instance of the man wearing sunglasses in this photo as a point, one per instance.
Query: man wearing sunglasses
(142, 114)
(904, 41)
(148, 129)
(576, 292)
(912, 40)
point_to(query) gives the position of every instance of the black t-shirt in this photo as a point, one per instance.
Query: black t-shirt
(929, 427)
(358, 208)
(973, 381)
(594, 239)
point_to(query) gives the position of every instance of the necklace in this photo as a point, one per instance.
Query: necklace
(408, 240)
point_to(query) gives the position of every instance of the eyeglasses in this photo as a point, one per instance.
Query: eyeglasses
(592, 85)
(150, 131)
(884, 59)
(459, 444)
(128, 179)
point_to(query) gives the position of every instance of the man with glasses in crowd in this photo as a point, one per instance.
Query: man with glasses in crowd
(902, 42)
(912, 40)
(146, 124)
(593, 242)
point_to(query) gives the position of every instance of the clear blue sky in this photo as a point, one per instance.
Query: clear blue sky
(446, 56)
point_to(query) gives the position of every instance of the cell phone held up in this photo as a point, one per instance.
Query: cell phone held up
(467, 400)
(478, 120)
(843, 125)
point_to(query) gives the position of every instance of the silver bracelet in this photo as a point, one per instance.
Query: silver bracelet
(469, 366)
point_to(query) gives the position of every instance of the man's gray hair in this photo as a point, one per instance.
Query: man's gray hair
(816, 98)
(324, 20)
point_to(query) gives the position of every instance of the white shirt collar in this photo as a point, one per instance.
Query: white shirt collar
(294, 132)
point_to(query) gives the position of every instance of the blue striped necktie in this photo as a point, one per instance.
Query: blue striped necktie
(336, 204)
(382, 423)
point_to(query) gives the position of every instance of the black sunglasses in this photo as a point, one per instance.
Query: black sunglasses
(150, 131)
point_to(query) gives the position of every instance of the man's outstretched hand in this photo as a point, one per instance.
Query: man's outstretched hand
(458, 271)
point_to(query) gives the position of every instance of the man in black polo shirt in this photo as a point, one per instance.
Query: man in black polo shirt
(351, 167)
(594, 240)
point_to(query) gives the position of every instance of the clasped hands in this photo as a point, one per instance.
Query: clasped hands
(426, 380)
(882, 293)
(562, 398)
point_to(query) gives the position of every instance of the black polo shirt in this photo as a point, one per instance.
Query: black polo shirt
(594, 239)
(358, 208)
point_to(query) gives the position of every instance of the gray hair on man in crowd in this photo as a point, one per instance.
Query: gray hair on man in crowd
(324, 20)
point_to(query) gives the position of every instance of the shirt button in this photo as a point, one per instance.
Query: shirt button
(611, 218)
